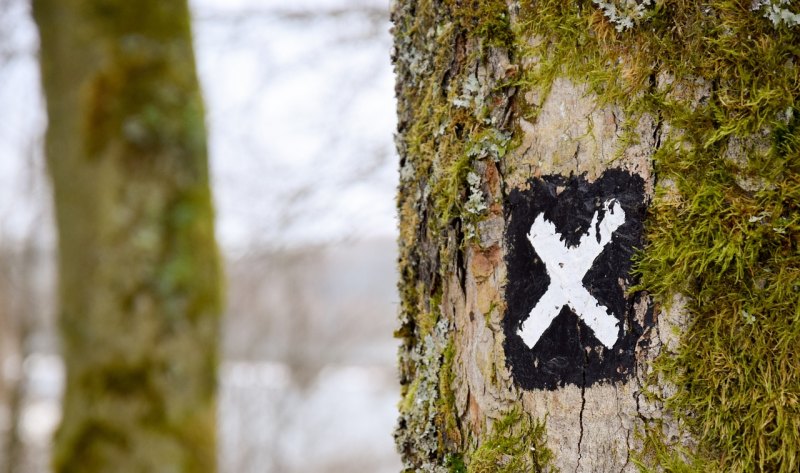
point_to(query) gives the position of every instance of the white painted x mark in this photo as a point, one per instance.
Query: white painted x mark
(566, 267)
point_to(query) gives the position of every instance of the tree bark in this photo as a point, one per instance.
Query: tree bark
(513, 111)
(138, 266)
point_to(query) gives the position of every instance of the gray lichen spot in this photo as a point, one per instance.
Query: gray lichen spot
(475, 203)
(418, 407)
(624, 14)
(776, 12)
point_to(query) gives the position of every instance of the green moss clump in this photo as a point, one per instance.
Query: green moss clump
(517, 444)
(487, 20)
(409, 396)
(455, 464)
(733, 253)
(453, 192)
(447, 415)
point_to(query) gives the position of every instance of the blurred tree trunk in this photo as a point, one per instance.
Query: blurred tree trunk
(557, 112)
(138, 265)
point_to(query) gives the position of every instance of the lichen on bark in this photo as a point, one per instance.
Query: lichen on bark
(453, 65)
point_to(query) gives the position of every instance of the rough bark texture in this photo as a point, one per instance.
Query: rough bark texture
(493, 93)
(139, 273)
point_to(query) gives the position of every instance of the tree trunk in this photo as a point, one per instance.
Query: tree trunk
(548, 277)
(138, 266)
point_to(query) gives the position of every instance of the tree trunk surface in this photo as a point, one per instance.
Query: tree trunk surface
(509, 112)
(138, 265)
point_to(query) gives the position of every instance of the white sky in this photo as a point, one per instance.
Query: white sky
(300, 113)
(23, 194)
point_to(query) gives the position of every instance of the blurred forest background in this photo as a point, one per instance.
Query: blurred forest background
(300, 108)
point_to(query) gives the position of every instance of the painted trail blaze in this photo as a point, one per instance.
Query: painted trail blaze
(568, 319)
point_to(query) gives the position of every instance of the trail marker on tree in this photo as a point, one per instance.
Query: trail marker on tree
(570, 244)
(566, 266)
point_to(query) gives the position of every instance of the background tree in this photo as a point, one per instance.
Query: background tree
(506, 106)
(138, 268)
(291, 374)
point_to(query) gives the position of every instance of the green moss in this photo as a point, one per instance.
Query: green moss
(516, 444)
(446, 407)
(410, 396)
(451, 188)
(669, 458)
(734, 255)
(455, 464)
(426, 320)
(486, 20)
(487, 317)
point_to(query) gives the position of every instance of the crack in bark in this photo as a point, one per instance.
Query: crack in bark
(627, 433)
(461, 257)
(659, 118)
(583, 398)
(508, 112)
(503, 189)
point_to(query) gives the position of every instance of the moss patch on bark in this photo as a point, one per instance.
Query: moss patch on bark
(516, 444)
